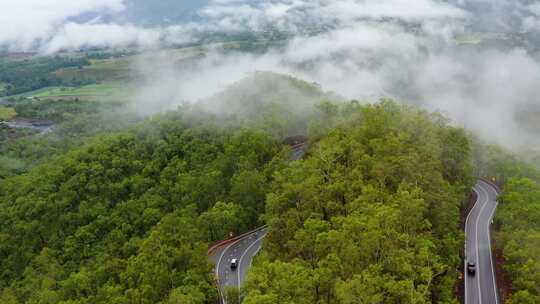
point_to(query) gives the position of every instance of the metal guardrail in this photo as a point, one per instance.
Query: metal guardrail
(219, 244)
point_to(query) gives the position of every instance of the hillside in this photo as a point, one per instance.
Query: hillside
(129, 215)
(283, 103)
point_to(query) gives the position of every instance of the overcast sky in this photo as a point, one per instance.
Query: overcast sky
(52, 25)
(368, 50)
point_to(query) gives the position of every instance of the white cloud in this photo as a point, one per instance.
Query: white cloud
(368, 49)
(73, 36)
(25, 23)
(295, 14)
(352, 40)
(48, 24)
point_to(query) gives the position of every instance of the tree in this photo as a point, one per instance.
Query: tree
(221, 220)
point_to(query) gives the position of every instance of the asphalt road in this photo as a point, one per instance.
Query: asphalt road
(481, 288)
(243, 249)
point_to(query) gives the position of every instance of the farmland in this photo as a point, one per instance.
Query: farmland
(7, 113)
(87, 92)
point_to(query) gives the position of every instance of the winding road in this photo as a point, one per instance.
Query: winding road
(481, 288)
(243, 249)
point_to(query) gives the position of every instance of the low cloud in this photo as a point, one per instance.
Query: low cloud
(28, 24)
(372, 54)
(361, 49)
(74, 36)
(49, 26)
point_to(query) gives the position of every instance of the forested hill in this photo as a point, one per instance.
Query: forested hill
(128, 217)
(372, 212)
(285, 105)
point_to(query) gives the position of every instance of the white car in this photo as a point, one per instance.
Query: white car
(471, 267)
(234, 264)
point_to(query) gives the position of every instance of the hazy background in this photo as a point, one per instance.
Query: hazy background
(424, 51)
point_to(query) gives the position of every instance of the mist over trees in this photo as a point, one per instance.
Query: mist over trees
(120, 201)
(129, 216)
(371, 214)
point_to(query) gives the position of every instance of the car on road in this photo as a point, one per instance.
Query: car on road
(234, 264)
(471, 268)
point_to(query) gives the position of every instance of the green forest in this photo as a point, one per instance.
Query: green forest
(115, 208)
(517, 224)
(127, 217)
(518, 216)
(372, 214)
(26, 75)
(517, 220)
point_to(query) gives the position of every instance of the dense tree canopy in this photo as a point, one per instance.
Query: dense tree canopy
(372, 215)
(128, 217)
(26, 75)
(518, 217)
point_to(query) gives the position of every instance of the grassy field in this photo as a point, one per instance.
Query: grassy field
(113, 74)
(115, 69)
(7, 113)
(99, 92)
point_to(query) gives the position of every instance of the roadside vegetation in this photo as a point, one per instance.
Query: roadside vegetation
(517, 221)
(128, 216)
(518, 218)
(371, 214)
(114, 208)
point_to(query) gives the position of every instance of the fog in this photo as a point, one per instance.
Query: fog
(360, 49)
(369, 51)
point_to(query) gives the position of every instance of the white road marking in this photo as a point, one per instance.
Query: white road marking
(478, 272)
(226, 272)
(245, 252)
(222, 254)
(489, 244)
(466, 236)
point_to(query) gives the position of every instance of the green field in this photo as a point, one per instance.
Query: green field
(7, 113)
(98, 92)
(115, 69)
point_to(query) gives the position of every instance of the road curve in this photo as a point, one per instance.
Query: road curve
(481, 288)
(243, 249)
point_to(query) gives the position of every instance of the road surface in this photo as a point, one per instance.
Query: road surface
(243, 249)
(481, 288)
